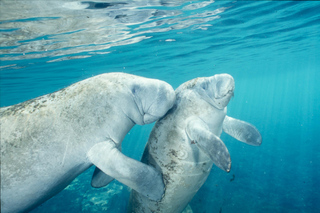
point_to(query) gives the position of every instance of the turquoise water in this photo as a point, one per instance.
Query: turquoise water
(271, 48)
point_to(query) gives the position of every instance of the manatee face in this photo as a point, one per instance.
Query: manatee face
(216, 90)
(153, 99)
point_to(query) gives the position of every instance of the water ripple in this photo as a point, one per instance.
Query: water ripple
(58, 28)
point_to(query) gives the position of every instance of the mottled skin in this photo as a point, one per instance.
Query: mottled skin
(185, 143)
(48, 141)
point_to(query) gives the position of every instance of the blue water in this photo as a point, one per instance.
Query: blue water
(271, 48)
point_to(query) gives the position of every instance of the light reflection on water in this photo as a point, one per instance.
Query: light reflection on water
(36, 29)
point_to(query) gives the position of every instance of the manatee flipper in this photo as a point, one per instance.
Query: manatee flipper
(100, 179)
(209, 143)
(138, 176)
(242, 131)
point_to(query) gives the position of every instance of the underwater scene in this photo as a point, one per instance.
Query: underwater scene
(270, 48)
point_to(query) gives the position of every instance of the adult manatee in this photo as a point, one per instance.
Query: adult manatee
(48, 141)
(186, 143)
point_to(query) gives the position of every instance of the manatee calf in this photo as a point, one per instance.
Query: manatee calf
(48, 141)
(185, 143)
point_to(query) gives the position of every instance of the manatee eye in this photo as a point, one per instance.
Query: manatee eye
(134, 89)
(204, 86)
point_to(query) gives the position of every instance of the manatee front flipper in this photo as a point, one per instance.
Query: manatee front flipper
(209, 143)
(100, 179)
(138, 176)
(242, 131)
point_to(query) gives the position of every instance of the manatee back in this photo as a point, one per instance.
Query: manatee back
(36, 134)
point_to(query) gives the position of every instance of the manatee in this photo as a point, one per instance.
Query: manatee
(48, 141)
(184, 144)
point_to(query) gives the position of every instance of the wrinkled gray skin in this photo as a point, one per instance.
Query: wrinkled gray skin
(186, 143)
(48, 141)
